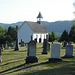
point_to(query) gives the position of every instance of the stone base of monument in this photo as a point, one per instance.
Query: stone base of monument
(44, 52)
(31, 59)
(66, 56)
(55, 59)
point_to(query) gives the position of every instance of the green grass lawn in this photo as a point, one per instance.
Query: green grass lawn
(14, 63)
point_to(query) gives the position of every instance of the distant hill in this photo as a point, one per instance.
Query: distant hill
(58, 27)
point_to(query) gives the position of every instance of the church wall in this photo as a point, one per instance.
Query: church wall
(25, 33)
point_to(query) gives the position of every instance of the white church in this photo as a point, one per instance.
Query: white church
(34, 30)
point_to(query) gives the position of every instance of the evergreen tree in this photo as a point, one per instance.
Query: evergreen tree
(64, 36)
(72, 34)
(52, 36)
(50, 39)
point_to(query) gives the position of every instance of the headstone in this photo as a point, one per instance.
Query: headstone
(46, 47)
(14, 44)
(2, 47)
(22, 44)
(55, 53)
(6, 45)
(0, 56)
(17, 44)
(31, 55)
(64, 44)
(69, 50)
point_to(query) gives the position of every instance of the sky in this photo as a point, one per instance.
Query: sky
(12, 11)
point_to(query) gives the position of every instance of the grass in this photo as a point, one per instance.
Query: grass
(14, 63)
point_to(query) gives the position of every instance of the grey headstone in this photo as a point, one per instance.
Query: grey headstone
(6, 45)
(32, 48)
(22, 44)
(55, 52)
(69, 50)
(31, 55)
(0, 56)
(46, 47)
(17, 44)
(14, 44)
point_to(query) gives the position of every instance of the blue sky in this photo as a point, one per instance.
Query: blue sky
(12, 11)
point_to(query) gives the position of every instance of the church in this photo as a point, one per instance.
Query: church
(32, 30)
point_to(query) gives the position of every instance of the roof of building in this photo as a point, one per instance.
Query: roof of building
(39, 15)
(36, 27)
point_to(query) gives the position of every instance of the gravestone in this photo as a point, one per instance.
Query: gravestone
(46, 47)
(14, 44)
(55, 53)
(6, 45)
(22, 44)
(2, 47)
(69, 50)
(64, 44)
(0, 56)
(17, 44)
(31, 55)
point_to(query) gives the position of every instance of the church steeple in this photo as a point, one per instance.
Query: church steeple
(39, 17)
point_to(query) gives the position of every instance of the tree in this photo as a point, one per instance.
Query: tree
(50, 39)
(52, 36)
(12, 33)
(72, 33)
(64, 36)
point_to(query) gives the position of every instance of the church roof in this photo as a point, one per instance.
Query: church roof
(39, 15)
(36, 27)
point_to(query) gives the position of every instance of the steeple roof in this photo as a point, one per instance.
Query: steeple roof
(39, 15)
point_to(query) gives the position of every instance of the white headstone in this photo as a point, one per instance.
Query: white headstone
(6, 45)
(55, 51)
(32, 48)
(69, 50)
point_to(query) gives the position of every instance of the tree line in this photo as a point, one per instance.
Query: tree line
(68, 37)
(9, 34)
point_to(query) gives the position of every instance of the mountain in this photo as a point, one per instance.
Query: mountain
(58, 27)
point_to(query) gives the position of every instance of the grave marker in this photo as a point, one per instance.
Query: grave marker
(55, 52)
(0, 56)
(31, 55)
(69, 50)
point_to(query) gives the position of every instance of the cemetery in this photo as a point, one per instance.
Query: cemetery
(29, 60)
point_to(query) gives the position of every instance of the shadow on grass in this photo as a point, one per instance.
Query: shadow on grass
(57, 71)
(69, 69)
